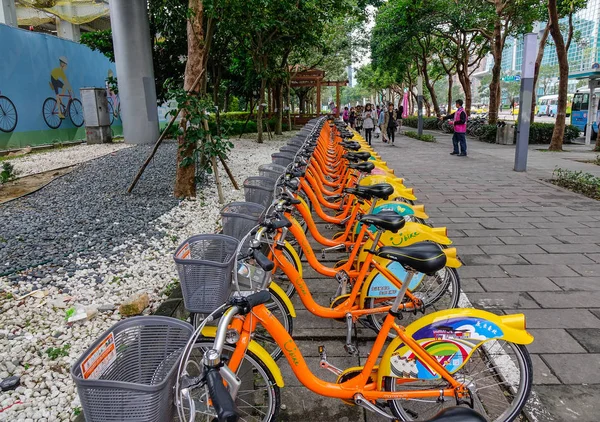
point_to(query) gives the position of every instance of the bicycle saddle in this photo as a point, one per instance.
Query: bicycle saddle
(424, 257)
(379, 190)
(357, 156)
(457, 414)
(365, 167)
(352, 146)
(386, 221)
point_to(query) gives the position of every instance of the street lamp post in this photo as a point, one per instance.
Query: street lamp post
(420, 105)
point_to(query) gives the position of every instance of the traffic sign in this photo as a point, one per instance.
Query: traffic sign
(515, 78)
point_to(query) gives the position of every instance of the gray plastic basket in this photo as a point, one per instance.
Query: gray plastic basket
(272, 171)
(289, 148)
(259, 190)
(240, 217)
(136, 383)
(204, 263)
(282, 158)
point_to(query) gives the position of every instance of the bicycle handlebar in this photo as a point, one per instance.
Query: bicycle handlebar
(221, 399)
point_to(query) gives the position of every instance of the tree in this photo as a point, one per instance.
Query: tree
(558, 8)
(537, 69)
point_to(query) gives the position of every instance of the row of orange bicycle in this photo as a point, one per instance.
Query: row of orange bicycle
(397, 276)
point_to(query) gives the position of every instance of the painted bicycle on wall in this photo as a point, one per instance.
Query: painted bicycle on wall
(54, 113)
(8, 114)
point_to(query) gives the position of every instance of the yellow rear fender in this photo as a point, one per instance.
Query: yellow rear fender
(373, 179)
(259, 352)
(451, 337)
(278, 291)
(452, 260)
(412, 233)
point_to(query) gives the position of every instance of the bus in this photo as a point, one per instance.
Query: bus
(547, 105)
(579, 114)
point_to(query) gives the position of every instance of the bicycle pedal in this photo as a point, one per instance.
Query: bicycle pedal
(351, 349)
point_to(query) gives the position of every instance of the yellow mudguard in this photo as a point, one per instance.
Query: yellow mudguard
(452, 260)
(274, 287)
(258, 351)
(373, 179)
(398, 207)
(451, 337)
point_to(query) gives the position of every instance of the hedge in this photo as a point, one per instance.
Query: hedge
(429, 123)
(235, 127)
(425, 137)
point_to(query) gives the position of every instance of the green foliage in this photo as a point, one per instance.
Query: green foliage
(577, 181)
(429, 123)
(8, 172)
(425, 137)
(206, 146)
(113, 84)
(541, 133)
(488, 134)
(100, 41)
(57, 352)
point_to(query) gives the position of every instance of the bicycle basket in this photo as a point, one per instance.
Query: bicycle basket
(272, 171)
(259, 190)
(289, 148)
(282, 158)
(204, 263)
(129, 372)
(240, 217)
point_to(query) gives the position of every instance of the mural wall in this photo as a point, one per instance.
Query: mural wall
(40, 78)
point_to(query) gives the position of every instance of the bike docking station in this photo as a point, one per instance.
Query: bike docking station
(96, 115)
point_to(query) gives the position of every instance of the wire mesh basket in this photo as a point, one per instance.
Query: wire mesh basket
(289, 148)
(272, 171)
(129, 372)
(259, 189)
(240, 217)
(204, 263)
(282, 158)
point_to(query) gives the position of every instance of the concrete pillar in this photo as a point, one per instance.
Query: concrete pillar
(68, 30)
(8, 12)
(530, 49)
(135, 72)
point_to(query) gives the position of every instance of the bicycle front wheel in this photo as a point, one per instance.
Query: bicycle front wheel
(258, 398)
(8, 115)
(499, 375)
(76, 112)
(50, 112)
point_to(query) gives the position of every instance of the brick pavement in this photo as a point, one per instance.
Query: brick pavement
(529, 247)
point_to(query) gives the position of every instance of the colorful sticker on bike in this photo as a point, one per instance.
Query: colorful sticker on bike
(450, 342)
(382, 287)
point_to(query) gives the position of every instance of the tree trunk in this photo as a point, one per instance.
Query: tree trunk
(278, 93)
(185, 178)
(465, 82)
(563, 82)
(432, 94)
(259, 115)
(450, 85)
(226, 100)
(289, 103)
(497, 47)
(536, 72)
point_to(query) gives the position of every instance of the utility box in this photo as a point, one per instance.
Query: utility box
(505, 135)
(97, 118)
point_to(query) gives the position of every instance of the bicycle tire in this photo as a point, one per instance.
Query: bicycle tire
(450, 285)
(250, 368)
(262, 337)
(75, 112)
(8, 115)
(413, 410)
(50, 113)
(111, 111)
(279, 276)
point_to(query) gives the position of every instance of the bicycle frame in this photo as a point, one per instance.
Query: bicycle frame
(364, 383)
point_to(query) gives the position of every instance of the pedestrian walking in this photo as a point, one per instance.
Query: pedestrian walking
(352, 117)
(368, 118)
(359, 118)
(389, 122)
(345, 115)
(382, 126)
(459, 120)
(399, 114)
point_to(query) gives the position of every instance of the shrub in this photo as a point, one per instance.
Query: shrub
(488, 133)
(429, 123)
(8, 172)
(235, 127)
(425, 137)
(541, 133)
(577, 181)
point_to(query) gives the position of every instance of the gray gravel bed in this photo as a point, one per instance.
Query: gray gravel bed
(85, 213)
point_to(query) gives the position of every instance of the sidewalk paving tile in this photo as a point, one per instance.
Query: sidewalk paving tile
(570, 299)
(504, 300)
(529, 240)
(578, 283)
(571, 248)
(589, 338)
(541, 373)
(511, 249)
(575, 368)
(558, 318)
(588, 270)
(491, 259)
(474, 271)
(553, 340)
(565, 259)
(524, 284)
(539, 270)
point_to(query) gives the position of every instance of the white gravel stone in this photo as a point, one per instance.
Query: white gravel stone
(31, 327)
(63, 157)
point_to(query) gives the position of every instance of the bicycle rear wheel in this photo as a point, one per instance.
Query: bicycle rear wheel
(499, 375)
(76, 112)
(8, 115)
(258, 398)
(50, 113)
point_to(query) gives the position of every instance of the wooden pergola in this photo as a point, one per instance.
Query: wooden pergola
(314, 78)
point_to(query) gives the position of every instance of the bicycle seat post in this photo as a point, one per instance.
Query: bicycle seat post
(402, 292)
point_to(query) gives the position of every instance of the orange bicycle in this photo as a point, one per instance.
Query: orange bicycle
(461, 357)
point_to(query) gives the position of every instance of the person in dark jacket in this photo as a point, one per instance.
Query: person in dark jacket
(459, 120)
